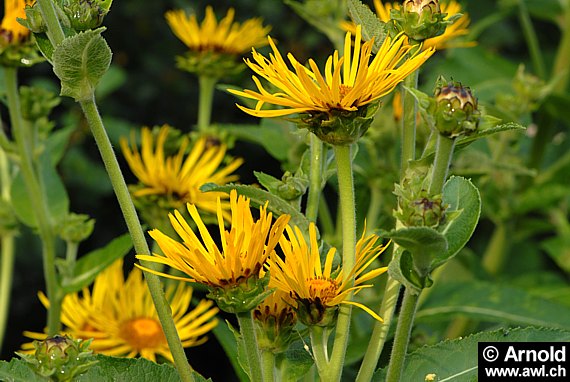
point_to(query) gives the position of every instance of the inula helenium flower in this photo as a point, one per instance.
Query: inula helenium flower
(11, 31)
(235, 266)
(318, 289)
(348, 83)
(180, 176)
(120, 317)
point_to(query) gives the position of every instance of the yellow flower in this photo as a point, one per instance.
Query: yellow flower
(314, 288)
(348, 83)
(226, 36)
(180, 176)
(244, 250)
(11, 31)
(120, 317)
(451, 7)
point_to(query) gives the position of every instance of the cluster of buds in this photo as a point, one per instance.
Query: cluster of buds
(416, 207)
(454, 109)
(60, 358)
(420, 19)
(85, 14)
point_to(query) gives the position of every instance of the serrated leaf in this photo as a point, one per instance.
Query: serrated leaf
(372, 27)
(80, 62)
(259, 197)
(132, 370)
(18, 370)
(462, 197)
(495, 303)
(294, 363)
(90, 265)
(55, 194)
(456, 360)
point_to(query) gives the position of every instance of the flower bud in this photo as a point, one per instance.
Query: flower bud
(76, 228)
(340, 128)
(420, 19)
(86, 14)
(455, 109)
(275, 320)
(37, 102)
(60, 358)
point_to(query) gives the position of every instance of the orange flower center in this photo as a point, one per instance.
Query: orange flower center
(142, 333)
(322, 288)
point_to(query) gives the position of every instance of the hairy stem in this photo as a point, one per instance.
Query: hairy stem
(315, 177)
(247, 331)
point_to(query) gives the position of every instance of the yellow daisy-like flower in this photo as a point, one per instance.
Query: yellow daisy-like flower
(243, 252)
(226, 36)
(11, 31)
(180, 177)
(120, 317)
(316, 288)
(348, 83)
(451, 7)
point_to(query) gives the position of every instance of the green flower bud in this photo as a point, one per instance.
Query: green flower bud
(275, 319)
(416, 207)
(420, 19)
(37, 103)
(76, 228)
(60, 358)
(292, 187)
(242, 297)
(455, 109)
(210, 64)
(86, 14)
(340, 128)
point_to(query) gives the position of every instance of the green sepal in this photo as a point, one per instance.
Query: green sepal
(80, 62)
(243, 297)
(372, 26)
(339, 127)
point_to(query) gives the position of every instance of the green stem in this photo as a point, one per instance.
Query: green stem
(37, 199)
(247, 331)
(319, 344)
(402, 336)
(380, 332)
(348, 219)
(7, 253)
(531, 40)
(409, 121)
(268, 362)
(496, 252)
(562, 60)
(315, 178)
(162, 306)
(206, 99)
(71, 252)
(441, 163)
(49, 15)
(374, 207)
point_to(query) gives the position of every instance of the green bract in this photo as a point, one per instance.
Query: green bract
(242, 297)
(420, 19)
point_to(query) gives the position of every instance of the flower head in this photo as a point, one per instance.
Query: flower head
(11, 31)
(179, 177)
(275, 318)
(120, 317)
(348, 83)
(232, 268)
(319, 290)
(445, 40)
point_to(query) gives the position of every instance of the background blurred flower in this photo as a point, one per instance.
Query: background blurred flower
(11, 31)
(120, 317)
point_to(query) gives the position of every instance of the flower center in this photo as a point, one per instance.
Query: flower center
(142, 333)
(322, 288)
(344, 89)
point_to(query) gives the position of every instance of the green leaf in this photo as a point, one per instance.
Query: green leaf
(18, 370)
(80, 62)
(90, 265)
(456, 360)
(422, 242)
(372, 27)
(559, 250)
(132, 370)
(402, 268)
(463, 198)
(294, 363)
(494, 303)
(228, 341)
(57, 143)
(55, 193)
(259, 197)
